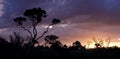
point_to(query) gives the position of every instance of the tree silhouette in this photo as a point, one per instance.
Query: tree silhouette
(98, 42)
(77, 45)
(53, 42)
(16, 40)
(35, 16)
(56, 45)
(49, 39)
(65, 46)
(107, 41)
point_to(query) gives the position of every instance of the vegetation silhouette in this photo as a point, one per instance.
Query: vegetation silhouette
(35, 16)
(24, 47)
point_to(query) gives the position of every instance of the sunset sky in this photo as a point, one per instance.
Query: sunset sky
(81, 19)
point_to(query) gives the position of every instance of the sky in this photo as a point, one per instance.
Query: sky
(81, 19)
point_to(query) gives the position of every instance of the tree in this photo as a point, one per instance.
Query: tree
(98, 42)
(77, 45)
(107, 41)
(56, 45)
(16, 40)
(53, 42)
(35, 16)
(50, 39)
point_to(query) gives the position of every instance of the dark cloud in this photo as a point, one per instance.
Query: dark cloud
(101, 10)
(81, 17)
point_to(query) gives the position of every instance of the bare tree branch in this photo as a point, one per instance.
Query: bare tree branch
(27, 31)
(44, 32)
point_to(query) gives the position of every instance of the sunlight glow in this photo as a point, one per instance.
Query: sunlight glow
(112, 44)
(45, 26)
(119, 39)
(51, 27)
(63, 25)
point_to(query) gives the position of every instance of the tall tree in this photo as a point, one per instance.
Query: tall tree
(35, 16)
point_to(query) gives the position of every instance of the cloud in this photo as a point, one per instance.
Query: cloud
(80, 17)
(1, 7)
(103, 10)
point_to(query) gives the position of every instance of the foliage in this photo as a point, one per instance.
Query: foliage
(57, 51)
(16, 40)
(50, 39)
(35, 16)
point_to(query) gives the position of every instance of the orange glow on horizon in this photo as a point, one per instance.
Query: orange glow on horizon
(89, 43)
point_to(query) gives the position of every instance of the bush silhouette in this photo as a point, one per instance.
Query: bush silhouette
(76, 45)
(49, 39)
